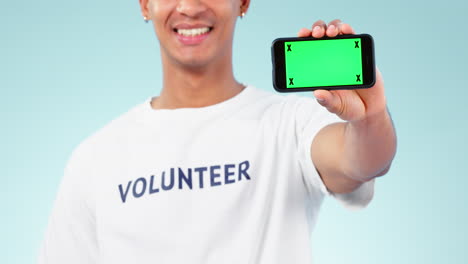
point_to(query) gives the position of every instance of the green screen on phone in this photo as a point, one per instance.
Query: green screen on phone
(323, 63)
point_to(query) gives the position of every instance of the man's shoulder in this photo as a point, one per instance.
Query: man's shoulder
(110, 135)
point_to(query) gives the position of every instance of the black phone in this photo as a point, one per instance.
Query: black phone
(307, 64)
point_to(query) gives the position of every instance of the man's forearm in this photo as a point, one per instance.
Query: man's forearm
(350, 153)
(369, 147)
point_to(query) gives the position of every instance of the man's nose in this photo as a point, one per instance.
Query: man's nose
(191, 8)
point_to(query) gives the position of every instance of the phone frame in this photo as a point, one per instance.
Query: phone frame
(279, 67)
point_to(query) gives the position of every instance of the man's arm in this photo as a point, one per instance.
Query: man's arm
(71, 233)
(362, 148)
(348, 154)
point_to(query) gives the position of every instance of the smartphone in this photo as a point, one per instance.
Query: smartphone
(307, 64)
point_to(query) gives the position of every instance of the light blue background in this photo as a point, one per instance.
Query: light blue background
(68, 67)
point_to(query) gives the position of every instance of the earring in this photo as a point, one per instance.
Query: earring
(242, 15)
(146, 19)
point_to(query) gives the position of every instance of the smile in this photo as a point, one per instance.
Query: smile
(192, 32)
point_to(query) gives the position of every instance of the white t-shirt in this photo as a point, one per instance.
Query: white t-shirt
(227, 183)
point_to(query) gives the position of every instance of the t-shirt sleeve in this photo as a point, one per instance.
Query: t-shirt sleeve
(310, 119)
(70, 236)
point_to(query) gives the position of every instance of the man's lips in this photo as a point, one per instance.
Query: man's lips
(192, 34)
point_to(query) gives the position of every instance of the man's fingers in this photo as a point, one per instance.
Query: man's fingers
(304, 32)
(318, 29)
(337, 27)
(330, 101)
(320, 23)
(347, 29)
(334, 28)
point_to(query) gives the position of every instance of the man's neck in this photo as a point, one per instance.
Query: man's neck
(189, 88)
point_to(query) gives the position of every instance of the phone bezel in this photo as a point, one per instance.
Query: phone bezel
(279, 67)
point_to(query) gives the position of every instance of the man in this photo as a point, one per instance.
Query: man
(211, 170)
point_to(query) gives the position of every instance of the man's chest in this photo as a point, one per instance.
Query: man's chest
(189, 181)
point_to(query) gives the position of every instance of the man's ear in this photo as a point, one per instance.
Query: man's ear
(144, 8)
(245, 5)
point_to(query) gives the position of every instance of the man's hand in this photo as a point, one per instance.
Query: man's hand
(349, 105)
(348, 154)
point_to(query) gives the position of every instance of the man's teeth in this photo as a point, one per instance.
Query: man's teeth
(193, 32)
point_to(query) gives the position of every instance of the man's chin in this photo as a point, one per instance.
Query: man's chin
(193, 61)
(194, 64)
